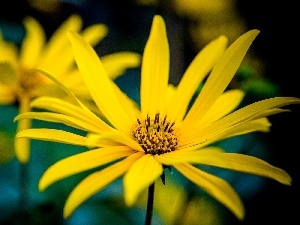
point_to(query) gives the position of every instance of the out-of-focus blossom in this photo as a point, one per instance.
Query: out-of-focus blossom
(210, 19)
(19, 83)
(46, 6)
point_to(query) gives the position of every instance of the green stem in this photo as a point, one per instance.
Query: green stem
(150, 204)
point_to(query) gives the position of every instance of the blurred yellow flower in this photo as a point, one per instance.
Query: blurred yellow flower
(19, 84)
(176, 205)
(165, 131)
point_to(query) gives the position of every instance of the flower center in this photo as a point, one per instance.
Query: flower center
(28, 80)
(155, 136)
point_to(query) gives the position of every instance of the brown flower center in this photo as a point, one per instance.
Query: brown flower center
(155, 136)
(29, 79)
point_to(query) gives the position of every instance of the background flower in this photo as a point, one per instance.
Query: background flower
(20, 84)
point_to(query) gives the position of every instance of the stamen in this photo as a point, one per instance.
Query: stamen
(164, 120)
(148, 121)
(166, 127)
(170, 130)
(155, 136)
(158, 127)
(156, 120)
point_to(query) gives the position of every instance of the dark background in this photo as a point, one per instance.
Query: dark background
(278, 204)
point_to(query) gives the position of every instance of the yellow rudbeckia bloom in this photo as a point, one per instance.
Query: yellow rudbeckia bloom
(164, 132)
(19, 84)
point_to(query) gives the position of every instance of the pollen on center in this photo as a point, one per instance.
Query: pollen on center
(156, 136)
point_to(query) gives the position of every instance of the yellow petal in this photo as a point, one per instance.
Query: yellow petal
(175, 156)
(116, 64)
(46, 88)
(221, 75)
(199, 141)
(232, 161)
(261, 125)
(170, 93)
(125, 101)
(32, 43)
(155, 70)
(54, 135)
(96, 182)
(140, 176)
(7, 95)
(194, 75)
(64, 107)
(60, 52)
(54, 50)
(96, 140)
(251, 112)
(59, 84)
(215, 186)
(99, 85)
(93, 34)
(122, 138)
(61, 119)
(9, 52)
(224, 105)
(229, 124)
(74, 82)
(81, 162)
(87, 111)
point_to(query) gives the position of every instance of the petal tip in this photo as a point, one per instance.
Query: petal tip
(67, 212)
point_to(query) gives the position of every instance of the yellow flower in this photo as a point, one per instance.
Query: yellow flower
(163, 133)
(19, 84)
